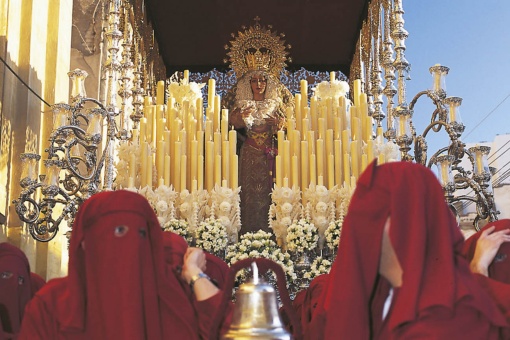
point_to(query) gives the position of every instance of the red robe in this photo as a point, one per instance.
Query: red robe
(17, 286)
(439, 297)
(117, 286)
(498, 282)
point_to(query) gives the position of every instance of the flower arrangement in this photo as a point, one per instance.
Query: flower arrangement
(122, 166)
(331, 89)
(285, 208)
(225, 206)
(389, 149)
(333, 234)
(320, 208)
(260, 244)
(211, 235)
(260, 109)
(183, 90)
(302, 236)
(319, 266)
(179, 227)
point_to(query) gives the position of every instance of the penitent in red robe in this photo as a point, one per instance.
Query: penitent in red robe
(498, 282)
(439, 297)
(17, 286)
(118, 286)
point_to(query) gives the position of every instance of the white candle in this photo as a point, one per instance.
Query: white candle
(209, 165)
(313, 171)
(295, 177)
(320, 157)
(167, 170)
(357, 91)
(304, 165)
(235, 172)
(331, 171)
(279, 170)
(194, 160)
(217, 170)
(149, 169)
(338, 162)
(354, 158)
(177, 166)
(200, 171)
(347, 168)
(160, 93)
(211, 92)
(183, 173)
(132, 165)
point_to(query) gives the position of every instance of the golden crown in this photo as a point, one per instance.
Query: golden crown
(257, 48)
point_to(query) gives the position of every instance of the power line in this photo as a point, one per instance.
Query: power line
(487, 116)
(23, 82)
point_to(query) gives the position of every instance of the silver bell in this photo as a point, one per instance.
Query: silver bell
(255, 313)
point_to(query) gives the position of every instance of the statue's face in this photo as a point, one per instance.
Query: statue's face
(258, 84)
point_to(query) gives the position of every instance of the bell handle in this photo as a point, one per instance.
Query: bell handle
(264, 265)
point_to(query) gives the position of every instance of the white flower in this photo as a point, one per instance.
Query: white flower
(180, 227)
(184, 207)
(161, 220)
(286, 193)
(302, 236)
(211, 235)
(260, 244)
(321, 207)
(286, 220)
(286, 208)
(321, 220)
(333, 234)
(224, 220)
(321, 190)
(225, 207)
(161, 206)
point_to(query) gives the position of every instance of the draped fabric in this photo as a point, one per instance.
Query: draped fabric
(498, 282)
(117, 286)
(499, 269)
(17, 286)
(439, 297)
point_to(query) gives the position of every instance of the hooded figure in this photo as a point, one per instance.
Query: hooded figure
(496, 276)
(398, 215)
(17, 286)
(117, 286)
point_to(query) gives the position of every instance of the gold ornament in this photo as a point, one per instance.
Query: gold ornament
(257, 48)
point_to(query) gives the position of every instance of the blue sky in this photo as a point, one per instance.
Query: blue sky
(472, 38)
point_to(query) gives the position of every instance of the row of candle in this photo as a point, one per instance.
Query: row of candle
(323, 144)
(187, 151)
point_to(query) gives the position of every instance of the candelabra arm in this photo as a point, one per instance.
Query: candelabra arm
(434, 156)
(25, 214)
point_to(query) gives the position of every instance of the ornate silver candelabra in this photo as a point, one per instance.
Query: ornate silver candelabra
(77, 152)
(452, 175)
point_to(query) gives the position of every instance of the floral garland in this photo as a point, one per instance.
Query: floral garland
(179, 227)
(302, 235)
(211, 235)
(259, 244)
(319, 266)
